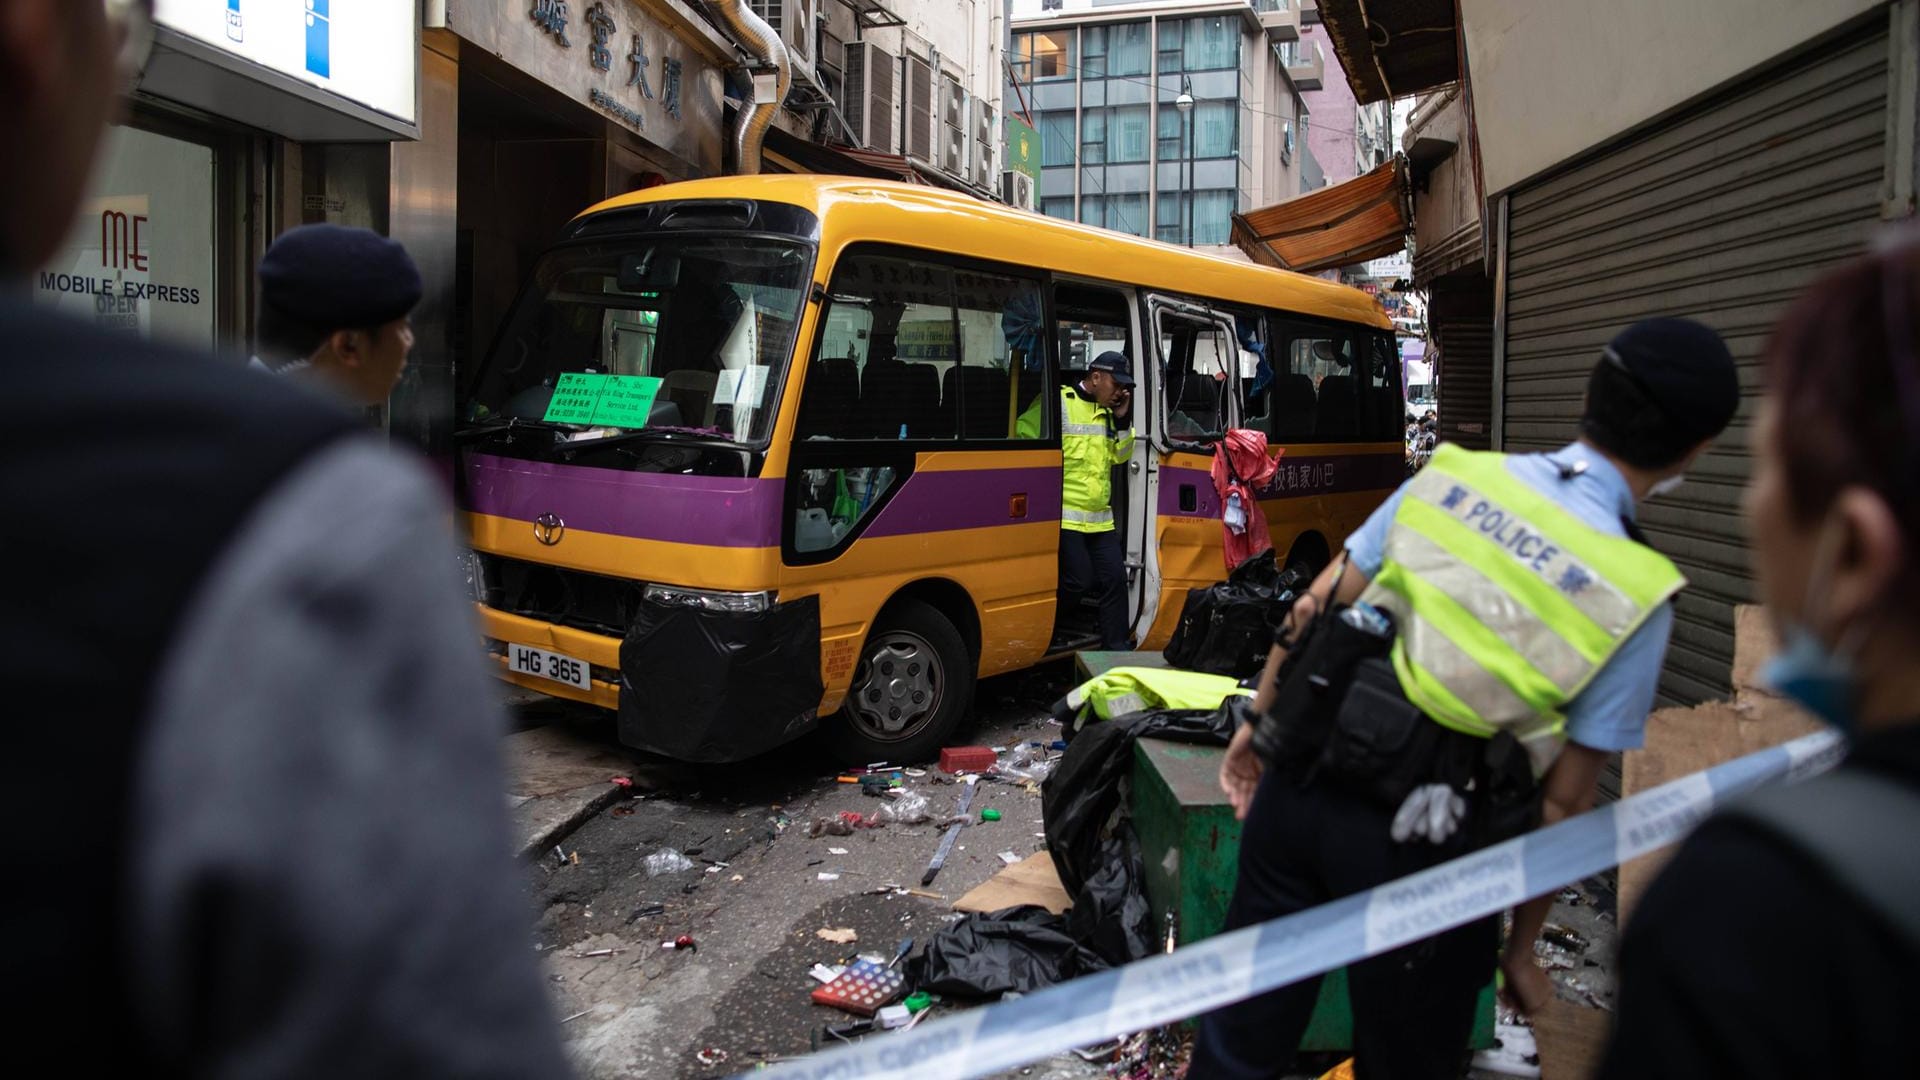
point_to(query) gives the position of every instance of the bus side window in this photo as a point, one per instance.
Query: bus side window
(993, 386)
(1200, 359)
(889, 333)
(1384, 412)
(1320, 358)
(1091, 320)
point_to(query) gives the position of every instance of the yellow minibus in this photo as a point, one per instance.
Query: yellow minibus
(744, 460)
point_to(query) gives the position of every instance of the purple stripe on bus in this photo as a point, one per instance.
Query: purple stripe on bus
(1334, 474)
(711, 510)
(968, 499)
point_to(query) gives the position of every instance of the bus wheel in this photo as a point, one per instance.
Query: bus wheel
(913, 684)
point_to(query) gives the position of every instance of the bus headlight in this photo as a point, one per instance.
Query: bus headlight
(747, 603)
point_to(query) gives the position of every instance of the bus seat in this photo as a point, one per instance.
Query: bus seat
(692, 391)
(830, 402)
(1293, 408)
(1337, 416)
(884, 399)
(1199, 400)
(925, 417)
(982, 394)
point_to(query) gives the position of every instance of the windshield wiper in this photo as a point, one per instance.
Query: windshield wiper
(638, 433)
(495, 427)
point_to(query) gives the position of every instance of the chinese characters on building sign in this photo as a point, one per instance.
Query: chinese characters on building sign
(551, 16)
(600, 25)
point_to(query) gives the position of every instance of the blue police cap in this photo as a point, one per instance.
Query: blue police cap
(1114, 364)
(333, 277)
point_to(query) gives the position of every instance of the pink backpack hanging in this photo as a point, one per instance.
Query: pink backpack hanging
(1241, 467)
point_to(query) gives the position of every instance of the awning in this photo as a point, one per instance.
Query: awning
(1364, 218)
(795, 154)
(1394, 49)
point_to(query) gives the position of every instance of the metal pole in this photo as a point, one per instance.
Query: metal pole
(1186, 121)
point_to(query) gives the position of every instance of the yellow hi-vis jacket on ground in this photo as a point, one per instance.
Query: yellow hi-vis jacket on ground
(1126, 690)
(1506, 604)
(1089, 448)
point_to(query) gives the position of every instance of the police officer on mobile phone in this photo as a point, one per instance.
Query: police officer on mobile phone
(1459, 675)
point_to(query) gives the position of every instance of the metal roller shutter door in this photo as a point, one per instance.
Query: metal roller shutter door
(1466, 381)
(1723, 214)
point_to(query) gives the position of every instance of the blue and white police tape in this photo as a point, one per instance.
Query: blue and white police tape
(1253, 960)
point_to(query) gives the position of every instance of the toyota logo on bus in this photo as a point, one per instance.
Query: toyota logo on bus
(548, 529)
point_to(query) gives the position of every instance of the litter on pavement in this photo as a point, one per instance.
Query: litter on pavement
(839, 935)
(667, 861)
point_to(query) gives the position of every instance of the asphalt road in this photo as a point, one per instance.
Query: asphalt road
(759, 890)
(754, 898)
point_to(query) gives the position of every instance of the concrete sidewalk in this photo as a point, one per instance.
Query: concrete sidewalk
(558, 776)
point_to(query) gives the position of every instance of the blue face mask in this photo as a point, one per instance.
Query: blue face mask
(1806, 670)
(1814, 676)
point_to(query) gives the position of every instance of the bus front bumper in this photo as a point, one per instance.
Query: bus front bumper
(690, 683)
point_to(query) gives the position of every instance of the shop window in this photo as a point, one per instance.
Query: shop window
(141, 256)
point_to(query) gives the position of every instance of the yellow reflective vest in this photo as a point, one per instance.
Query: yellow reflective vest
(1126, 690)
(1507, 605)
(1090, 446)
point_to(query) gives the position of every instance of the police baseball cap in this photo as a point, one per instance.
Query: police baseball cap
(1685, 370)
(335, 278)
(1114, 364)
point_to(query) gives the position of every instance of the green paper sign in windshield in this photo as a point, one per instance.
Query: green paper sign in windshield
(574, 398)
(625, 400)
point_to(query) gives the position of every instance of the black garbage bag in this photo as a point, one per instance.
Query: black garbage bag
(1227, 629)
(1110, 913)
(1079, 801)
(1098, 856)
(1020, 948)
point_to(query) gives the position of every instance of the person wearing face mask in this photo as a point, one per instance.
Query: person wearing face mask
(1781, 939)
(1492, 633)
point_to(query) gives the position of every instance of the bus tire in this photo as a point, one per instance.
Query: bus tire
(1309, 555)
(911, 687)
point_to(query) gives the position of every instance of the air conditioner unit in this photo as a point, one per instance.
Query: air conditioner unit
(1016, 189)
(916, 111)
(953, 128)
(833, 57)
(985, 134)
(793, 20)
(870, 102)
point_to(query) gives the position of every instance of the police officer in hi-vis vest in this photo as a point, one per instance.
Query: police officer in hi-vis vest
(1095, 435)
(1492, 633)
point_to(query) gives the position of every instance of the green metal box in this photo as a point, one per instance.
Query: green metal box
(1190, 843)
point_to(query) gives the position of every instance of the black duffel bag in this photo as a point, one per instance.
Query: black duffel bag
(1226, 629)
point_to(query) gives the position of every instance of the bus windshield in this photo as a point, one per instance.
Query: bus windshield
(682, 334)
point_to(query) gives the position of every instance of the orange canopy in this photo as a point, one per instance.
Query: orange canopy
(1364, 218)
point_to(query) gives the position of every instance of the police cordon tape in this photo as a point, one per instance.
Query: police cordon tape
(1238, 965)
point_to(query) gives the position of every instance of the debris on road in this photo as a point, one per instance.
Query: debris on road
(828, 876)
(667, 861)
(646, 911)
(621, 781)
(826, 973)
(839, 935)
(836, 851)
(862, 989)
(828, 827)
(955, 760)
(1009, 858)
(711, 1055)
(684, 941)
(946, 841)
(989, 814)
(893, 1016)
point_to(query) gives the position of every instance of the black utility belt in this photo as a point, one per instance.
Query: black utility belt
(1341, 717)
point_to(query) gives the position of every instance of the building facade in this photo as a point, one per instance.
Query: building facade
(1344, 137)
(251, 117)
(1103, 84)
(1728, 152)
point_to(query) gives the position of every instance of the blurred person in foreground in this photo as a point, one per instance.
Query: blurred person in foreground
(253, 768)
(1781, 940)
